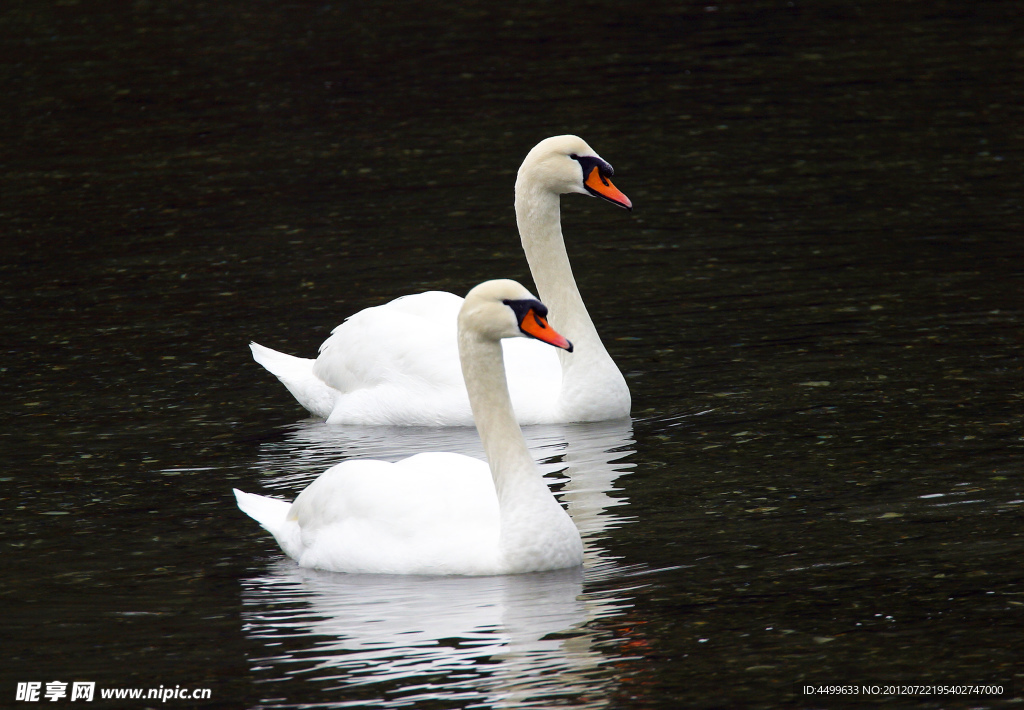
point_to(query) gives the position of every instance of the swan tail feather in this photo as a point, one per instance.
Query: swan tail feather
(296, 374)
(280, 364)
(272, 515)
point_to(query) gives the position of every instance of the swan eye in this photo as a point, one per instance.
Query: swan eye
(595, 180)
(522, 307)
(590, 162)
(537, 325)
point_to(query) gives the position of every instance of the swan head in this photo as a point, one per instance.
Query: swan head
(564, 164)
(505, 309)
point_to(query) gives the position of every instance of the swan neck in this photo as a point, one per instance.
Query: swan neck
(592, 386)
(507, 453)
(538, 216)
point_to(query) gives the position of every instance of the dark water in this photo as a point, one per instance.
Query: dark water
(817, 302)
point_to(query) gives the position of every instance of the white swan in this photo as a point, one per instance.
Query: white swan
(396, 363)
(441, 513)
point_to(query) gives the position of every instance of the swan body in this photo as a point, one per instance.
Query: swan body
(396, 364)
(384, 349)
(441, 513)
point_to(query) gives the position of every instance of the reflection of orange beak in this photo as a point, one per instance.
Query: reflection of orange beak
(602, 187)
(537, 327)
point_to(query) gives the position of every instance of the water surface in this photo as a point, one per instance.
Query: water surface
(816, 303)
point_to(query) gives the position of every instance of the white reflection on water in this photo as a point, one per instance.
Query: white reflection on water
(506, 641)
(511, 641)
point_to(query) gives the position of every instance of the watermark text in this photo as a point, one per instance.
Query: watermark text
(78, 691)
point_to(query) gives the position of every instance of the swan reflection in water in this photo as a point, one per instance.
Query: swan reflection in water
(498, 639)
(403, 639)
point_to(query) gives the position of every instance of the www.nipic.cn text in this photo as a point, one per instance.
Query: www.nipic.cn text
(56, 690)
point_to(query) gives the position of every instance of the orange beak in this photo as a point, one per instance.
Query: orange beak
(537, 326)
(602, 187)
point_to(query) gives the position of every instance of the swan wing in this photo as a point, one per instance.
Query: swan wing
(433, 513)
(397, 364)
